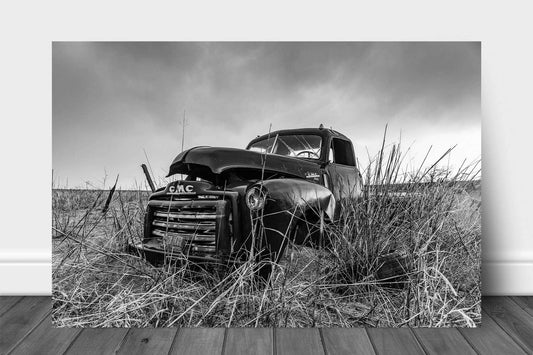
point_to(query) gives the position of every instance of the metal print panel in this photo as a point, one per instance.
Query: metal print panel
(266, 184)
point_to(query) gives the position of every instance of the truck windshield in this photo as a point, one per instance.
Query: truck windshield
(301, 145)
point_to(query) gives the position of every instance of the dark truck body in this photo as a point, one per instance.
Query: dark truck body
(211, 216)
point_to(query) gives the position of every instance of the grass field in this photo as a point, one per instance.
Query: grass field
(433, 231)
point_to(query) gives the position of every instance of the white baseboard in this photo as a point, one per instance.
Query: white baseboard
(507, 278)
(35, 277)
(25, 278)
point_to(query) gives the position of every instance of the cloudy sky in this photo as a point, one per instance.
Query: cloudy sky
(113, 101)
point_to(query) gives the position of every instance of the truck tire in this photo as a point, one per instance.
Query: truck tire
(272, 254)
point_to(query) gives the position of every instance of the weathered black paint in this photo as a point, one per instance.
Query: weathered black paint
(207, 162)
(296, 194)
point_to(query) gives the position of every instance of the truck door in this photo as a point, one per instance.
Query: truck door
(343, 173)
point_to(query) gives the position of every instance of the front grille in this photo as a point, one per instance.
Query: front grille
(192, 227)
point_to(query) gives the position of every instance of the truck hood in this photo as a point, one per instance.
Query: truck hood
(203, 162)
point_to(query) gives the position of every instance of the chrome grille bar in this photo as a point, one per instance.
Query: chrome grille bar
(187, 215)
(189, 226)
(209, 238)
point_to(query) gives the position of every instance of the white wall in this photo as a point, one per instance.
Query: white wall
(25, 128)
(507, 139)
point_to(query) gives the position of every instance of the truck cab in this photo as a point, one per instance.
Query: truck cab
(332, 151)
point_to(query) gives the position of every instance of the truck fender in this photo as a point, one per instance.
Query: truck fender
(299, 195)
(289, 201)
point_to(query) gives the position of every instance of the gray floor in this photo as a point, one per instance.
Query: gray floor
(25, 328)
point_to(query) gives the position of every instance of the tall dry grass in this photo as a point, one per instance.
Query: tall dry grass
(405, 254)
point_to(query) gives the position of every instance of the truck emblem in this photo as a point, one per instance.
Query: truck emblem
(312, 176)
(181, 189)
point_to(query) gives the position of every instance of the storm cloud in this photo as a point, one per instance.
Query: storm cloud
(113, 101)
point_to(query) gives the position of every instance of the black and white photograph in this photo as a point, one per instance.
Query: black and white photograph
(266, 184)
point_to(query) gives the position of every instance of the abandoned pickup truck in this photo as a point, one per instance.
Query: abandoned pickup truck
(237, 203)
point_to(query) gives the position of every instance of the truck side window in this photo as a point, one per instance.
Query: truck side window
(342, 152)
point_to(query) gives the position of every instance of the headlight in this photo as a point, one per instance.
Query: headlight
(255, 198)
